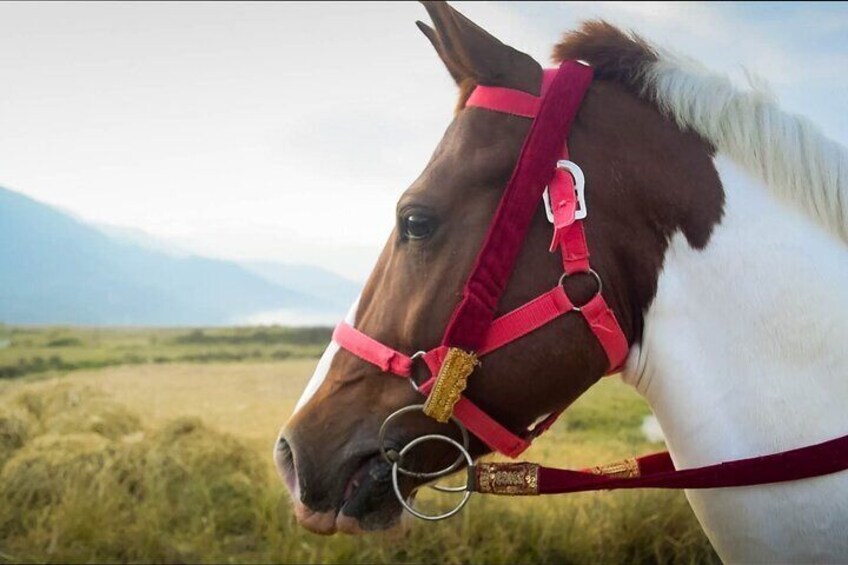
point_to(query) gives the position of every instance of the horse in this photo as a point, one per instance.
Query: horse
(718, 226)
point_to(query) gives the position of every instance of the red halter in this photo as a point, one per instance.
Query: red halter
(472, 327)
(543, 161)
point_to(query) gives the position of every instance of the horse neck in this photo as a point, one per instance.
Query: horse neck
(743, 348)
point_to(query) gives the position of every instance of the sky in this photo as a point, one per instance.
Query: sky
(287, 132)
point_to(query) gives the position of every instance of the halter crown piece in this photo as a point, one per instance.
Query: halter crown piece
(545, 173)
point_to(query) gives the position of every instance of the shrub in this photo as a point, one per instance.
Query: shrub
(65, 342)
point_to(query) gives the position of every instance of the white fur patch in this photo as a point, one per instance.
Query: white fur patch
(744, 354)
(324, 363)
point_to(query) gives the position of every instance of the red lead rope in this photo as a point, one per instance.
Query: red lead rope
(657, 471)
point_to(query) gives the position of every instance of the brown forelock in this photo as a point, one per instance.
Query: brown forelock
(646, 180)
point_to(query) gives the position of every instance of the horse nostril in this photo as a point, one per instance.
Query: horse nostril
(284, 460)
(282, 444)
(283, 452)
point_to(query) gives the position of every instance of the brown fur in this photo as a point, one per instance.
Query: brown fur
(466, 87)
(614, 54)
(646, 180)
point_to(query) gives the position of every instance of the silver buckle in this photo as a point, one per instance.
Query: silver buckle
(579, 188)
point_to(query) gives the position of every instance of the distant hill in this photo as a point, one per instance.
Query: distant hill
(331, 288)
(55, 268)
(141, 238)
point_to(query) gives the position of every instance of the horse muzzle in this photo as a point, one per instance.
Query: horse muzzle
(353, 496)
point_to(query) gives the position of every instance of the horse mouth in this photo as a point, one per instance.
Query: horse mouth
(366, 504)
(369, 502)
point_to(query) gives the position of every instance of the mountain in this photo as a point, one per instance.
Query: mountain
(55, 268)
(141, 238)
(331, 288)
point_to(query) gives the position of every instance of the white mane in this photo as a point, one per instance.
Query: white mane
(788, 152)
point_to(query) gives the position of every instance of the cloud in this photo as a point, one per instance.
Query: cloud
(288, 130)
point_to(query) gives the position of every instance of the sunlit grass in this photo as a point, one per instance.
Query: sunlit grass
(171, 463)
(28, 350)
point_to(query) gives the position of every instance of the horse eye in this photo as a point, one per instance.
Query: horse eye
(417, 226)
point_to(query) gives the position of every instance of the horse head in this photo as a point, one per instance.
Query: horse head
(635, 162)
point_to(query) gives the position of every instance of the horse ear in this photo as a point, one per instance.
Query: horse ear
(457, 73)
(470, 52)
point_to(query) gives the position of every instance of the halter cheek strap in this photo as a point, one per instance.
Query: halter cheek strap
(543, 162)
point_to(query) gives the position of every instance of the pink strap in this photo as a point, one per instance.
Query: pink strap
(488, 430)
(525, 319)
(548, 307)
(563, 201)
(569, 235)
(478, 422)
(371, 350)
(575, 251)
(509, 100)
(505, 100)
(604, 325)
(483, 426)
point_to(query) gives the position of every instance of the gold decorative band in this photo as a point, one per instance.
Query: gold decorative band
(451, 381)
(626, 469)
(511, 479)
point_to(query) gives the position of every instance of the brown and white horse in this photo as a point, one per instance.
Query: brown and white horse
(719, 225)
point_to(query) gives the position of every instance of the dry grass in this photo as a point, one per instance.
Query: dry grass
(249, 400)
(171, 463)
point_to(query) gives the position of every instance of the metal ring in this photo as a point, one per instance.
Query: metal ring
(398, 456)
(463, 453)
(441, 488)
(416, 355)
(597, 280)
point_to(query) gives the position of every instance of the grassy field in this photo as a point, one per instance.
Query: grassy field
(38, 350)
(170, 462)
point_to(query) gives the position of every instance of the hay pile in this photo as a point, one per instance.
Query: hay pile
(81, 478)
